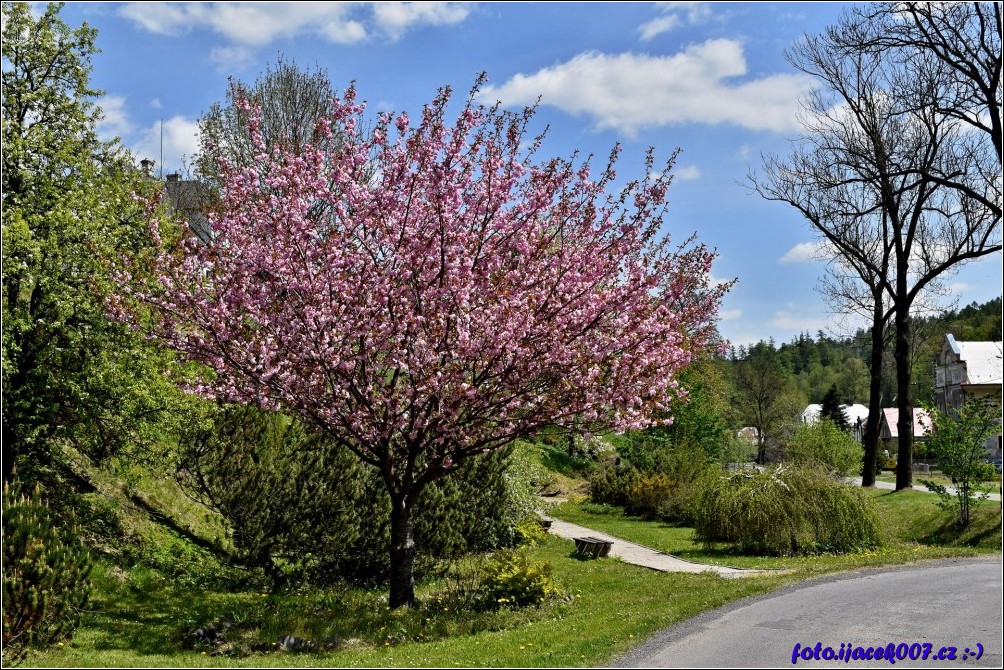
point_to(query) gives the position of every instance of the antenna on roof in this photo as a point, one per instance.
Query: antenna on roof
(162, 148)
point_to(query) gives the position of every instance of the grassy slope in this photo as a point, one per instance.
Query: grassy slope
(144, 619)
(616, 606)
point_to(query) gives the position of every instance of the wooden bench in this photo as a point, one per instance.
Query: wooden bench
(592, 546)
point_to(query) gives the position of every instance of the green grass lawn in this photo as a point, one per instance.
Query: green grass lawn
(612, 607)
(916, 527)
(143, 619)
(936, 476)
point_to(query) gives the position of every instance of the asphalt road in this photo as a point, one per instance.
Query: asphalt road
(952, 603)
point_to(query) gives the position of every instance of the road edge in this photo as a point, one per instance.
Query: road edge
(683, 628)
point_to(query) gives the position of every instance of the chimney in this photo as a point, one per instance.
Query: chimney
(174, 176)
(146, 165)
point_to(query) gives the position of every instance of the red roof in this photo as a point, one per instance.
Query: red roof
(921, 421)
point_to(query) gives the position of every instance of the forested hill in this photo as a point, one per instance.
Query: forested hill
(817, 363)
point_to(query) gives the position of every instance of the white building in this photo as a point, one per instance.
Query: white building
(856, 414)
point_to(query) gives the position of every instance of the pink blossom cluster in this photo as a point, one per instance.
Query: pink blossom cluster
(428, 291)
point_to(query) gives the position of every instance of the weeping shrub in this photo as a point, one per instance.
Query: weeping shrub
(786, 511)
(45, 570)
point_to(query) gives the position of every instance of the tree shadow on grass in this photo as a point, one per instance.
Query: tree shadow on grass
(557, 459)
(949, 533)
(161, 621)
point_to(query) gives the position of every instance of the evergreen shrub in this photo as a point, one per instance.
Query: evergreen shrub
(301, 507)
(45, 575)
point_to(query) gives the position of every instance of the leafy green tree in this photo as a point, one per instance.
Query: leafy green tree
(957, 443)
(701, 420)
(824, 443)
(764, 397)
(71, 377)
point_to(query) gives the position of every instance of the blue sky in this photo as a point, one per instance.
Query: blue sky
(709, 78)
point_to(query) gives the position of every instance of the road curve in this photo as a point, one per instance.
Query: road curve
(947, 603)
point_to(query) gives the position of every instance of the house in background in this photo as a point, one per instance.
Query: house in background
(890, 430)
(187, 198)
(856, 414)
(968, 371)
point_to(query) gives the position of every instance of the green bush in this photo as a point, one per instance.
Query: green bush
(823, 443)
(610, 485)
(649, 494)
(666, 493)
(300, 507)
(45, 570)
(957, 440)
(512, 579)
(295, 504)
(786, 511)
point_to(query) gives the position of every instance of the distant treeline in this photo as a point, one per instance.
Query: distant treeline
(816, 364)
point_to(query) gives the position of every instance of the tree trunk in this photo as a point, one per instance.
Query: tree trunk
(871, 436)
(9, 452)
(904, 400)
(402, 554)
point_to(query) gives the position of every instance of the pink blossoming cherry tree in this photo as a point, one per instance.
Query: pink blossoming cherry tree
(428, 292)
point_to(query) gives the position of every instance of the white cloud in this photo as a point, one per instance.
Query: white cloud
(629, 92)
(744, 152)
(344, 32)
(799, 320)
(155, 103)
(803, 252)
(394, 18)
(181, 143)
(114, 120)
(687, 173)
(957, 288)
(158, 17)
(252, 25)
(228, 58)
(730, 314)
(673, 15)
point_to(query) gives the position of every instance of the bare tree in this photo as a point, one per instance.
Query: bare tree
(965, 40)
(857, 287)
(290, 103)
(894, 169)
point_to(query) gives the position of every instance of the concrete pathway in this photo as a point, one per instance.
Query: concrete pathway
(636, 554)
(889, 486)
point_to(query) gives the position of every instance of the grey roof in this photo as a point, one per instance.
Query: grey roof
(189, 198)
(984, 361)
